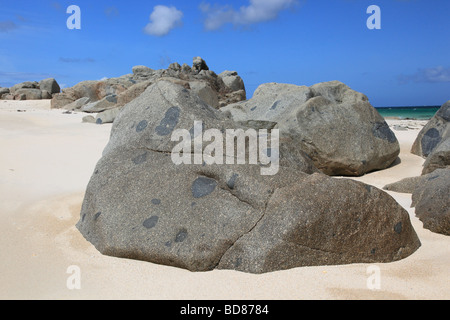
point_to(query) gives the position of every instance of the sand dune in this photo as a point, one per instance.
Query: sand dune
(46, 161)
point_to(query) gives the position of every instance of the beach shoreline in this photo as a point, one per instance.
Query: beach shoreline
(48, 159)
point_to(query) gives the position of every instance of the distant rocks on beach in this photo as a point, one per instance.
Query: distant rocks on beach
(106, 98)
(31, 90)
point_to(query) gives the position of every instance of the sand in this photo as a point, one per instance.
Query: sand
(46, 161)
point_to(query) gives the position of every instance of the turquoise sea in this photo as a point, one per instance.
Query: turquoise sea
(416, 113)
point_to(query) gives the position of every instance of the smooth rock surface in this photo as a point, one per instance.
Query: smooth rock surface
(431, 198)
(436, 131)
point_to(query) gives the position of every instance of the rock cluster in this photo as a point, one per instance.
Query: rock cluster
(431, 191)
(106, 98)
(139, 204)
(31, 90)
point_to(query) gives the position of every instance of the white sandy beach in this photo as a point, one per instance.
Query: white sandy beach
(46, 161)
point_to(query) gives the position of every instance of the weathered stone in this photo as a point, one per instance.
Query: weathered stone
(435, 131)
(28, 94)
(24, 85)
(142, 73)
(132, 93)
(439, 158)
(50, 85)
(320, 222)
(232, 80)
(46, 95)
(406, 185)
(205, 92)
(60, 100)
(4, 91)
(108, 102)
(199, 64)
(335, 125)
(76, 105)
(432, 201)
(88, 119)
(107, 116)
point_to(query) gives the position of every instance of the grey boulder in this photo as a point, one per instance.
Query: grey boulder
(335, 125)
(431, 198)
(50, 85)
(108, 102)
(140, 205)
(4, 91)
(439, 158)
(324, 221)
(406, 185)
(28, 94)
(435, 131)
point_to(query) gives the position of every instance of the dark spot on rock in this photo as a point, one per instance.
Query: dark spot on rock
(275, 105)
(193, 204)
(99, 121)
(111, 98)
(96, 171)
(232, 182)
(156, 202)
(97, 215)
(430, 140)
(151, 222)
(253, 109)
(142, 126)
(238, 262)
(181, 236)
(203, 186)
(269, 152)
(140, 159)
(368, 188)
(398, 228)
(168, 244)
(169, 122)
(373, 251)
(381, 130)
(432, 178)
(83, 217)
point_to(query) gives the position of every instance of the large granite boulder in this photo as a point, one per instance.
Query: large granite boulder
(139, 204)
(436, 131)
(335, 125)
(431, 198)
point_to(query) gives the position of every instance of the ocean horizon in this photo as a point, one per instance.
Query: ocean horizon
(410, 112)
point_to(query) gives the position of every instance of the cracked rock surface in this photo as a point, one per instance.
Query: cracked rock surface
(140, 205)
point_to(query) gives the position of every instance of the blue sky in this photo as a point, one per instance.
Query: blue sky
(303, 42)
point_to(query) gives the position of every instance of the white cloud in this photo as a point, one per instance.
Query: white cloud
(429, 75)
(162, 20)
(257, 11)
